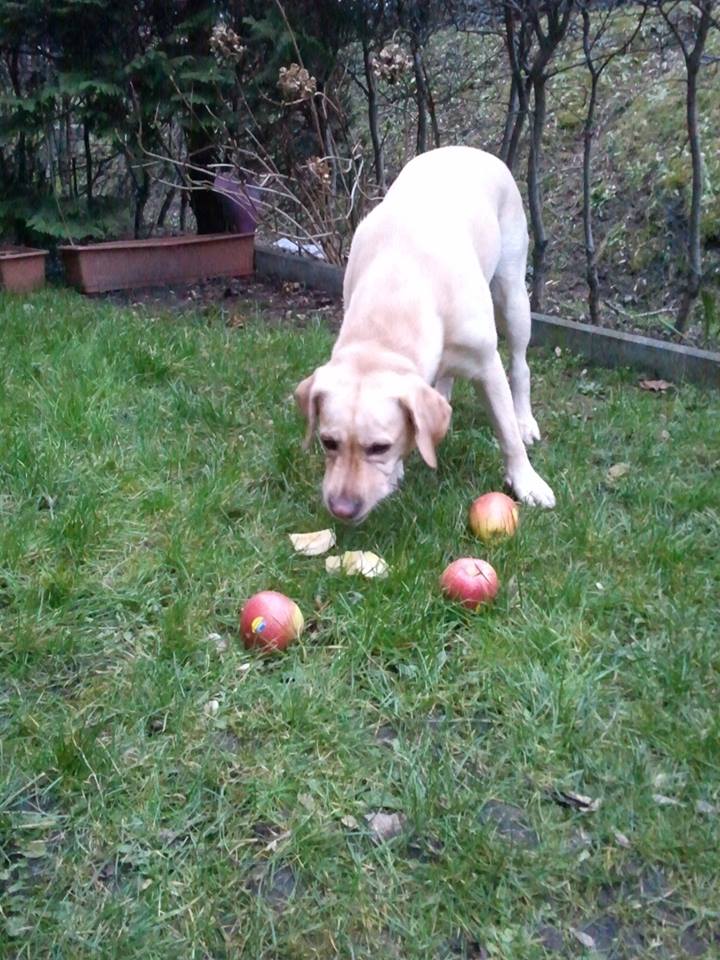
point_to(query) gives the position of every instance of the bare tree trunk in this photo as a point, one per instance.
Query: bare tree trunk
(184, 203)
(206, 204)
(141, 197)
(694, 247)
(535, 199)
(596, 64)
(515, 44)
(373, 119)
(693, 60)
(510, 117)
(421, 99)
(166, 204)
(520, 117)
(88, 165)
(69, 150)
(434, 125)
(591, 271)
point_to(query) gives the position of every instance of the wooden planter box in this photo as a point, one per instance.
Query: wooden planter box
(22, 269)
(126, 264)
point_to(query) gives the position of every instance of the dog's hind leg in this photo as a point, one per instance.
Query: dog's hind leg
(512, 312)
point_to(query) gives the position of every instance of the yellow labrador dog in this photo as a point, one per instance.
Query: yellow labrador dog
(435, 270)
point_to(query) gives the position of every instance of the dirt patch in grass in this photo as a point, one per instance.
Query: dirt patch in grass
(237, 300)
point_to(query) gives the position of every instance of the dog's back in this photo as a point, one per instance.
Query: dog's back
(455, 207)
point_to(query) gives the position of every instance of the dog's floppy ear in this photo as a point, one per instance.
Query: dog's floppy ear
(429, 415)
(308, 400)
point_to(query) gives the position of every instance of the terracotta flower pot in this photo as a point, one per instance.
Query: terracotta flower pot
(22, 268)
(126, 264)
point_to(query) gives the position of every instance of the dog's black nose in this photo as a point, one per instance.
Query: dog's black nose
(345, 508)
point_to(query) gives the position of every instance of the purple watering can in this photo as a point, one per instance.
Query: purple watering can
(240, 202)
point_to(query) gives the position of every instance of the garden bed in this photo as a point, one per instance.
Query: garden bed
(131, 264)
(22, 269)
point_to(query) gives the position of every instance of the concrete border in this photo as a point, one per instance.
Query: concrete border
(601, 346)
(291, 266)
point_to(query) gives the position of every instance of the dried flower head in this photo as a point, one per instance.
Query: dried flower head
(226, 44)
(391, 63)
(319, 170)
(295, 83)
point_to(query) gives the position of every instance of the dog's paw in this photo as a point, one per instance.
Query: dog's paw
(529, 487)
(529, 430)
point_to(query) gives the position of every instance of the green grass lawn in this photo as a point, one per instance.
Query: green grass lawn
(150, 471)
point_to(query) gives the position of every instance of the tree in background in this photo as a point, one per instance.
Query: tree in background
(690, 24)
(111, 113)
(598, 56)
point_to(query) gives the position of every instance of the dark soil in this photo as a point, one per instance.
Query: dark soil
(236, 298)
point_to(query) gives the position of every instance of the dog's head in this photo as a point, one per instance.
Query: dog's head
(367, 424)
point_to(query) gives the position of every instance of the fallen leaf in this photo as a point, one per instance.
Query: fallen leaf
(16, 926)
(221, 643)
(350, 822)
(385, 826)
(655, 386)
(357, 561)
(585, 939)
(312, 544)
(276, 841)
(35, 849)
(576, 801)
(211, 708)
(709, 809)
(621, 839)
(662, 801)
(618, 470)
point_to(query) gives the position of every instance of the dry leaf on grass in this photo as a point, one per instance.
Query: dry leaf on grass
(654, 386)
(276, 841)
(576, 801)
(621, 839)
(350, 822)
(312, 544)
(662, 801)
(618, 470)
(585, 939)
(357, 561)
(385, 826)
(709, 809)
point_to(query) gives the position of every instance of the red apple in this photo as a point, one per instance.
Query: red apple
(472, 582)
(270, 621)
(494, 515)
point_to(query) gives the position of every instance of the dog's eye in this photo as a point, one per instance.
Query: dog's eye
(329, 443)
(377, 449)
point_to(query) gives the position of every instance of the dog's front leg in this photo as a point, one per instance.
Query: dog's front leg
(444, 386)
(528, 486)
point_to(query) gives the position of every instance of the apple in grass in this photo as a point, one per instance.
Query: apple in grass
(494, 515)
(270, 621)
(471, 581)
